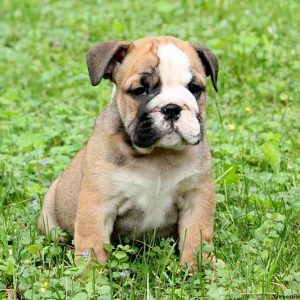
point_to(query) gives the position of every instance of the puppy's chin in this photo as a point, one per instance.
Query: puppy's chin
(172, 141)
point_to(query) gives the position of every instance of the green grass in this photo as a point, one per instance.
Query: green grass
(47, 110)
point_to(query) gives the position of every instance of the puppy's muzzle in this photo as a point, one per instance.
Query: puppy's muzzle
(171, 112)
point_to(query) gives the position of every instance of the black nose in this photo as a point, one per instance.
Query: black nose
(171, 112)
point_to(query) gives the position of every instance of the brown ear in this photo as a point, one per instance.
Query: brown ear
(209, 62)
(103, 58)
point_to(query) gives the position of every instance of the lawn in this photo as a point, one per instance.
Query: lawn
(47, 111)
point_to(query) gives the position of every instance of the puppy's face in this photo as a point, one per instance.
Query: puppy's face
(160, 91)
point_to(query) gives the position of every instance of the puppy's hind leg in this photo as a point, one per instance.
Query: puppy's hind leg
(47, 220)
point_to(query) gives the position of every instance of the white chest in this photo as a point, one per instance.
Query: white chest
(153, 191)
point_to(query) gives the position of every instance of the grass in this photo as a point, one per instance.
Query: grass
(47, 112)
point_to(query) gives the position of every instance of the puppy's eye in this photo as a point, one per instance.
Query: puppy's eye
(140, 91)
(195, 89)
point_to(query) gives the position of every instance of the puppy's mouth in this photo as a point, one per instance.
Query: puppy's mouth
(168, 134)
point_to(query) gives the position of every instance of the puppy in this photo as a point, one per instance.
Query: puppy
(147, 164)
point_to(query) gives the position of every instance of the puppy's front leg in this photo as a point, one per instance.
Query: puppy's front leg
(93, 226)
(196, 221)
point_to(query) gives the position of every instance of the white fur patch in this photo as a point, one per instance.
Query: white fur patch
(153, 191)
(174, 65)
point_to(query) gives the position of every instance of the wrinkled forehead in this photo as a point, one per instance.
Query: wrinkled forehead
(174, 63)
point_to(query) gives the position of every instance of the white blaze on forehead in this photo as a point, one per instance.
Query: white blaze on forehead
(175, 72)
(174, 65)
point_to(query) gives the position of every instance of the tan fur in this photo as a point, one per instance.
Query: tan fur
(84, 201)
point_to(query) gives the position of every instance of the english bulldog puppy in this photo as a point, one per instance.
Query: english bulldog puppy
(147, 165)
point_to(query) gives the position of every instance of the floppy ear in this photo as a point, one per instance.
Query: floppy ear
(209, 62)
(103, 58)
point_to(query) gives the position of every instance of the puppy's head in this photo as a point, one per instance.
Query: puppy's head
(160, 88)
